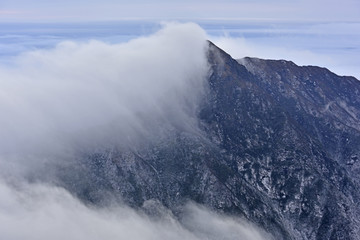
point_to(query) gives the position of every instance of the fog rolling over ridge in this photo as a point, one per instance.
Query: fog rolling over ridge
(81, 96)
(84, 97)
(169, 137)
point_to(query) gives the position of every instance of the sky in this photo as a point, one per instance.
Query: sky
(325, 33)
(94, 10)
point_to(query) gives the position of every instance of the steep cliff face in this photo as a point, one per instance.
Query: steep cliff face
(277, 144)
(326, 105)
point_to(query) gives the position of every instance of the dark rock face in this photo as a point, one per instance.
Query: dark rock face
(326, 105)
(279, 145)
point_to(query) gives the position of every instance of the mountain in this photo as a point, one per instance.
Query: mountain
(278, 144)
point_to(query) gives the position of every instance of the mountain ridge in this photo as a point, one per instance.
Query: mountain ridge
(266, 152)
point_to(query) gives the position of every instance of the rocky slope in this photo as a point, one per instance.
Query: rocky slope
(277, 144)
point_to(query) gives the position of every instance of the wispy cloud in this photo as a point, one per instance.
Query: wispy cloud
(96, 94)
(39, 212)
(78, 95)
(6, 13)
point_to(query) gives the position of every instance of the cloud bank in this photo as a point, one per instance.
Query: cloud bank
(88, 95)
(36, 212)
(79, 97)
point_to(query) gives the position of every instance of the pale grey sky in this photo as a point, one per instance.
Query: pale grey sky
(95, 10)
(319, 32)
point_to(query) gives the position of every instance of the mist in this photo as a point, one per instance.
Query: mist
(81, 96)
(38, 211)
(86, 97)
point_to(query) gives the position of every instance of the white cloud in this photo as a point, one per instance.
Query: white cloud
(84, 95)
(87, 95)
(36, 212)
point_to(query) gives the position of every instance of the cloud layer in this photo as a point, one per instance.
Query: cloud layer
(78, 97)
(81, 96)
(36, 212)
